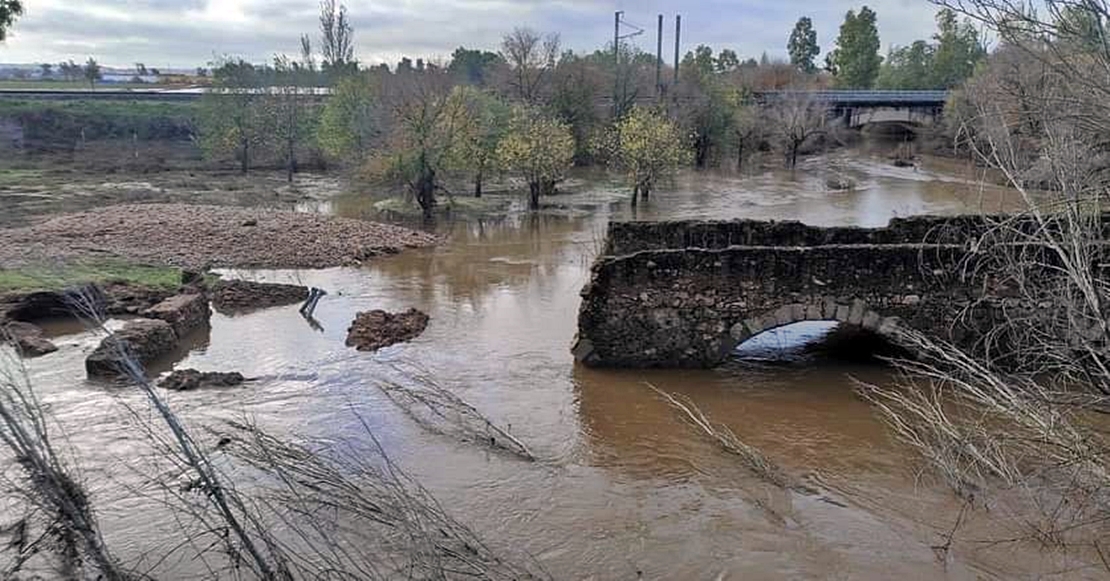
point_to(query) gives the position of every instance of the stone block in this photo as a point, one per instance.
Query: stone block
(871, 321)
(797, 313)
(814, 313)
(842, 312)
(829, 311)
(784, 315)
(855, 315)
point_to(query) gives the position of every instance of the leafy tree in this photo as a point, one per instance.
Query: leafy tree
(231, 120)
(575, 89)
(958, 50)
(700, 61)
(473, 66)
(1083, 25)
(9, 11)
(92, 72)
(140, 69)
(47, 70)
(909, 68)
(803, 46)
(727, 60)
(291, 121)
(426, 122)
(484, 121)
(354, 119)
(648, 147)
(855, 61)
(539, 148)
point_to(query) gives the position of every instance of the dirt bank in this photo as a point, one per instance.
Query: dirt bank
(199, 237)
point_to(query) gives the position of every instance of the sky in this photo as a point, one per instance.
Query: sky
(190, 33)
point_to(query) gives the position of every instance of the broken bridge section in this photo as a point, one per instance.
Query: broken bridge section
(685, 294)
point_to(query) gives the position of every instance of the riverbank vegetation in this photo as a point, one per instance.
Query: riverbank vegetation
(1021, 418)
(425, 129)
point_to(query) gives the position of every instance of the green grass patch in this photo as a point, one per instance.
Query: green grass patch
(63, 276)
(14, 177)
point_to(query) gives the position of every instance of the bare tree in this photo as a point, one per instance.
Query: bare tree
(336, 38)
(794, 119)
(1013, 416)
(531, 58)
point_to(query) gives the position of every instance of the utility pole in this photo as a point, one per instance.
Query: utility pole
(677, 41)
(659, 59)
(617, 22)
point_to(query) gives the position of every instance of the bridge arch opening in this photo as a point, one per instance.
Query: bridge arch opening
(821, 329)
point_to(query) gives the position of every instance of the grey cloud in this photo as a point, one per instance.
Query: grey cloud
(189, 32)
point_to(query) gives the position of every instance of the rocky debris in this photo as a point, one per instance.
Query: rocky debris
(36, 305)
(125, 298)
(145, 339)
(840, 183)
(903, 162)
(229, 296)
(200, 237)
(376, 329)
(184, 312)
(111, 298)
(28, 339)
(189, 379)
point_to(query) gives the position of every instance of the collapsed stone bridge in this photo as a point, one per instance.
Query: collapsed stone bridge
(685, 294)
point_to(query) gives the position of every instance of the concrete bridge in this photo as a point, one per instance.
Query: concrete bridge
(685, 294)
(857, 109)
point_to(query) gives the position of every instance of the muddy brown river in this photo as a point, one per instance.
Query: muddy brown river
(624, 488)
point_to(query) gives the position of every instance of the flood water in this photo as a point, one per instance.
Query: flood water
(623, 488)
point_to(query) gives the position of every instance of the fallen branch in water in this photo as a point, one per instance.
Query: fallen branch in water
(438, 410)
(726, 438)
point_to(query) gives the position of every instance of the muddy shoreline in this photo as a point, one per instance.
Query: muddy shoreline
(201, 237)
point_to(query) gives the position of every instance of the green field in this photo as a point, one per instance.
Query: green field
(63, 276)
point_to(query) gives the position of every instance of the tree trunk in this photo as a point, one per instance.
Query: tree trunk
(291, 163)
(426, 193)
(635, 195)
(478, 185)
(794, 155)
(244, 159)
(645, 190)
(740, 156)
(534, 195)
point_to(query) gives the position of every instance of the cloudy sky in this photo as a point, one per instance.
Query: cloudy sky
(188, 33)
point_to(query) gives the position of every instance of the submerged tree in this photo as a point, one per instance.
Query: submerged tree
(648, 147)
(794, 120)
(540, 149)
(483, 123)
(426, 123)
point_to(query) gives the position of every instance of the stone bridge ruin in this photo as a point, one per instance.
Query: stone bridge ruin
(685, 294)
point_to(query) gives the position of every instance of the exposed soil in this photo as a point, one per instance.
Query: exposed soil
(375, 330)
(232, 296)
(202, 237)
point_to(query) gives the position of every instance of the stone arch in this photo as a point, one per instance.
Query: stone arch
(855, 312)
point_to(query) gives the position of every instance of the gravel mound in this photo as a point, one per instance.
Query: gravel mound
(378, 329)
(200, 237)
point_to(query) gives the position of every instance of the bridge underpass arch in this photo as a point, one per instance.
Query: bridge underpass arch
(853, 319)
